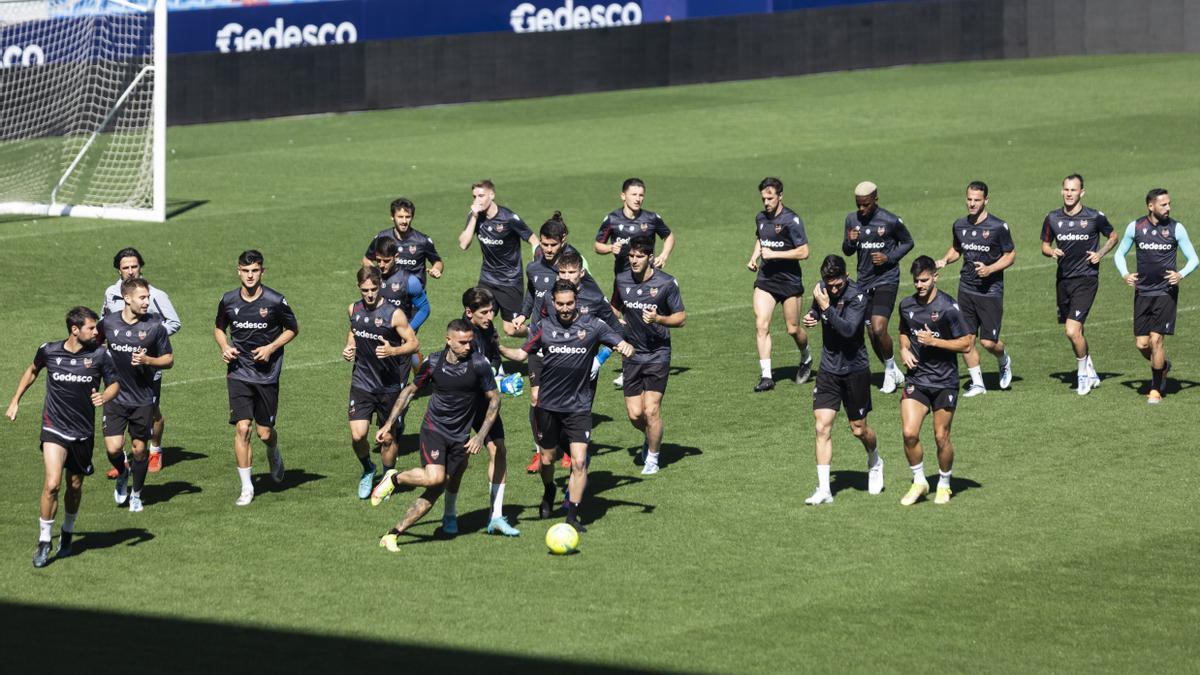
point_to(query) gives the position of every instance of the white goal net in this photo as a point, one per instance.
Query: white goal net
(83, 108)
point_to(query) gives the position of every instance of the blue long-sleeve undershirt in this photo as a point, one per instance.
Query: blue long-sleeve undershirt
(420, 302)
(1181, 236)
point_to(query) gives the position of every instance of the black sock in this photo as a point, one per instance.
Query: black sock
(572, 507)
(393, 531)
(118, 461)
(139, 466)
(366, 463)
(548, 493)
(1157, 380)
(395, 483)
(389, 467)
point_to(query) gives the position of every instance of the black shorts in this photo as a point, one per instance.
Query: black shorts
(79, 453)
(930, 397)
(1075, 297)
(508, 299)
(139, 420)
(883, 300)
(553, 429)
(252, 401)
(780, 290)
(852, 389)
(640, 377)
(157, 393)
(1155, 313)
(535, 368)
(497, 432)
(983, 314)
(435, 449)
(367, 404)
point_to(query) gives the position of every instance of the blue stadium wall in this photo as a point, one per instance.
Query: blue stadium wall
(756, 38)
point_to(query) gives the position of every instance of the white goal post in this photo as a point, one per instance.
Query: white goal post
(83, 98)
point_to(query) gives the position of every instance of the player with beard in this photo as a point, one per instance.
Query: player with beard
(416, 248)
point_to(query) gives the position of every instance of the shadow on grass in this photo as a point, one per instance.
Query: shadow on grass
(668, 454)
(846, 479)
(178, 207)
(291, 478)
(185, 646)
(129, 536)
(174, 455)
(157, 493)
(1068, 377)
(1173, 386)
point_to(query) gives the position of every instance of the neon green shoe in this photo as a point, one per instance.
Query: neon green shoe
(942, 496)
(384, 489)
(388, 541)
(915, 493)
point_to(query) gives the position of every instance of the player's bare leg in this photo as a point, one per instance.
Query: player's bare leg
(577, 483)
(243, 454)
(546, 468)
(823, 428)
(270, 438)
(764, 309)
(361, 445)
(1152, 348)
(791, 319)
(139, 465)
(433, 478)
(942, 420)
(1085, 376)
(912, 416)
(156, 435)
(996, 349)
(53, 458)
(535, 464)
(645, 413)
(497, 473)
(114, 447)
(882, 345)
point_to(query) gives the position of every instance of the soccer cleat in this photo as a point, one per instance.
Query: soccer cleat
(41, 554)
(915, 493)
(1006, 373)
(499, 524)
(765, 384)
(1154, 397)
(156, 462)
(545, 510)
(804, 371)
(566, 461)
(649, 468)
(120, 492)
(619, 381)
(942, 496)
(450, 525)
(64, 544)
(275, 459)
(246, 497)
(366, 482)
(577, 525)
(974, 390)
(388, 541)
(1095, 380)
(535, 464)
(819, 496)
(875, 478)
(135, 502)
(1083, 385)
(889, 382)
(112, 473)
(384, 488)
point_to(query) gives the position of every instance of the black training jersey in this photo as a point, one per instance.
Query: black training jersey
(1157, 247)
(539, 279)
(251, 325)
(458, 391)
(651, 342)
(146, 332)
(416, 249)
(985, 243)
(589, 299)
(884, 232)
(395, 289)
(567, 353)
(371, 327)
(500, 239)
(71, 377)
(486, 341)
(1076, 235)
(781, 232)
(842, 348)
(618, 229)
(936, 368)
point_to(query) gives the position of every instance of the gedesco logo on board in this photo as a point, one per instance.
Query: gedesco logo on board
(528, 18)
(24, 56)
(234, 37)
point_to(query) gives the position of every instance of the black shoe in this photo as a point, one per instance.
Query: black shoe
(804, 371)
(64, 544)
(765, 384)
(546, 511)
(41, 555)
(578, 527)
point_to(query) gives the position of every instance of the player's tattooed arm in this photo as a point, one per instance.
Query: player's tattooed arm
(402, 403)
(1094, 257)
(489, 419)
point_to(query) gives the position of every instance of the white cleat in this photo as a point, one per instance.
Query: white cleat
(889, 383)
(1006, 373)
(875, 478)
(275, 459)
(620, 381)
(135, 502)
(1083, 385)
(246, 497)
(649, 469)
(974, 390)
(819, 496)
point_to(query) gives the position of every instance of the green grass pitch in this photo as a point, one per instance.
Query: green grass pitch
(1070, 544)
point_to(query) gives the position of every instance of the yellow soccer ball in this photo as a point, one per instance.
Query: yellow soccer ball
(562, 539)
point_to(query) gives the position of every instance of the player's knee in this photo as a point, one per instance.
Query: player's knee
(242, 428)
(52, 487)
(635, 415)
(912, 437)
(264, 433)
(942, 438)
(858, 428)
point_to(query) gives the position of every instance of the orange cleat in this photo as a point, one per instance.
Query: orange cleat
(112, 473)
(566, 461)
(535, 464)
(155, 462)
(1154, 397)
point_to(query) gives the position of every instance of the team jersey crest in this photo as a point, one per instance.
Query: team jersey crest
(933, 316)
(880, 230)
(653, 292)
(986, 234)
(87, 363)
(581, 334)
(412, 249)
(262, 311)
(1166, 232)
(141, 335)
(378, 321)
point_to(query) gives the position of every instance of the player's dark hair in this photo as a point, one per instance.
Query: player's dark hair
(1077, 177)
(562, 286)
(921, 265)
(833, 267)
(79, 316)
(643, 243)
(127, 252)
(387, 247)
(250, 257)
(485, 184)
(979, 186)
(128, 285)
(632, 182)
(568, 257)
(403, 203)
(1155, 194)
(370, 273)
(771, 182)
(554, 228)
(475, 298)
(459, 326)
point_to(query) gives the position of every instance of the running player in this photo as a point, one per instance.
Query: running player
(416, 248)
(398, 286)
(500, 233)
(540, 273)
(985, 244)
(260, 323)
(378, 343)
(880, 240)
(461, 380)
(1071, 235)
(1158, 237)
(933, 332)
(129, 264)
(649, 301)
(139, 347)
(627, 222)
(780, 246)
(73, 393)
(569, 341)
(840, 306)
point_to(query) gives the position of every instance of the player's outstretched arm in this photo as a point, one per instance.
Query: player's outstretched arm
(27, 379)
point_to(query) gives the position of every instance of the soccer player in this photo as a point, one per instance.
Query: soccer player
(260, 323)
(649, 300)
(985, 245)
(879, 238)
(461, 379)
(139, 347)
(129, 264)
(627, 222)
(415, 247)
(933, 332)
(379, 343)
(73, 392)
(1071, 235)
(1158, 237)
(540, 273)
(500, 233)
(569, 341)
(399, 287)
(780, 246)
(840, 306)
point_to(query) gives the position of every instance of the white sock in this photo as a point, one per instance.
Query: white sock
(943, 480)
(652, 458)
(889, 364)
(872, 457)
(69, 521)
(976, 376)
(823, 477)
(1002, 359)
(918, 470)
(497, 500)
(451, 505)
(155, 449)
(44, 529)
(805, 354)
(1081, 367)
(244, 474)
(765, 366)
(136, 494)
(1091, 367)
